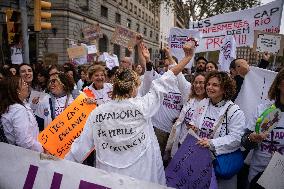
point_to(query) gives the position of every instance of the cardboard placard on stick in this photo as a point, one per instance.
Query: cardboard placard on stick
(124, 37)
(76, 52)
(59, 135)
(268, 42)
(92, 32)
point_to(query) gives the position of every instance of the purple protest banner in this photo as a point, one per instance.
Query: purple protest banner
(191, 167)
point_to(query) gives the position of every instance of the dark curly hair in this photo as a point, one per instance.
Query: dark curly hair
(124, 82)
(226, 83)
(68, 83)
(274, 91)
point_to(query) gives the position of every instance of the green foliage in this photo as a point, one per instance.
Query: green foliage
(200, 9)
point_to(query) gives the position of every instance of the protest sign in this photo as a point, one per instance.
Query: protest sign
(111, 60)
(254, 90)
(50, 59)
(59, 135)
(240, 24)
(272, 177)
(26, 169)
(191, 167)
(92, 32)
(227, 53)
(92, 49)
(178, 37)
(124, 37)
(77, 52)
(268, 42)
(16, 55)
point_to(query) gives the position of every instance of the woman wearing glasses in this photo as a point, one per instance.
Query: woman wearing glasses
(60, 87)
(179, 130)
(17, 118)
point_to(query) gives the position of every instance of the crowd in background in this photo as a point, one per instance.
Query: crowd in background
(31, 96)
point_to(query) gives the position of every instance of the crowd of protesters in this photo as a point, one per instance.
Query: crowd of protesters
(163, 105)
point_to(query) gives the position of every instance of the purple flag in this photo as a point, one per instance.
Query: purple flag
(191, 167)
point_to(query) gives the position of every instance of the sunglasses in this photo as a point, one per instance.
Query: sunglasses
(53, 81)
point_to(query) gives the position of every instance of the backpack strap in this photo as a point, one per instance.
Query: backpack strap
(221, 120)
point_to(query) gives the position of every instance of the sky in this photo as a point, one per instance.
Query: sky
(282, 20)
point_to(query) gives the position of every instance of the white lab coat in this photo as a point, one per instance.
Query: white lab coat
(264, 152)
(124, 136)
(20, 127)
(223, 143)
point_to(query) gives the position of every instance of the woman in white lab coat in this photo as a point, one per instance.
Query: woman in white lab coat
(59, 98)
(17, 118)
(121, 130)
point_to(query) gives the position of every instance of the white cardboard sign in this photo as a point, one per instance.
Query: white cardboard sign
(272, 177)
(22, 168)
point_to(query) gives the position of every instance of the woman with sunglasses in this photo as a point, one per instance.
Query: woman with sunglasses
(17, 118)
(60, 87)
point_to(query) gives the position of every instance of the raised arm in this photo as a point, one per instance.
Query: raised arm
(188, 49)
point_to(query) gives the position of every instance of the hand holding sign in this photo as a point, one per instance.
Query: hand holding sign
(58, 137)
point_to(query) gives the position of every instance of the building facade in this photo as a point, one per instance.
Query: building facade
(70, 17)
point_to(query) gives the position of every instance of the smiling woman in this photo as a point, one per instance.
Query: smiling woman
(99, 87)
(218, 121)
(60, 87)
(19, 124)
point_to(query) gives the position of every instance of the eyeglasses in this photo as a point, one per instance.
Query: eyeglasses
(198, 83)
(53, 81)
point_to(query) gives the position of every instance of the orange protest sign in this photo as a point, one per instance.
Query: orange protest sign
(59, 135)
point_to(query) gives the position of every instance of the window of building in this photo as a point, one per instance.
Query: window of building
(126, 4)
(157, 24)
(135, 9)
(128, 23)
(127, 52)
(146, 17)
(157, 37)
(116, 50)
(139, 12)
(145, 31)
(104, 11)
(138, 27)
(103, 44)
(131, 6)
(142, 15)
(117, 18)
(151, 34)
